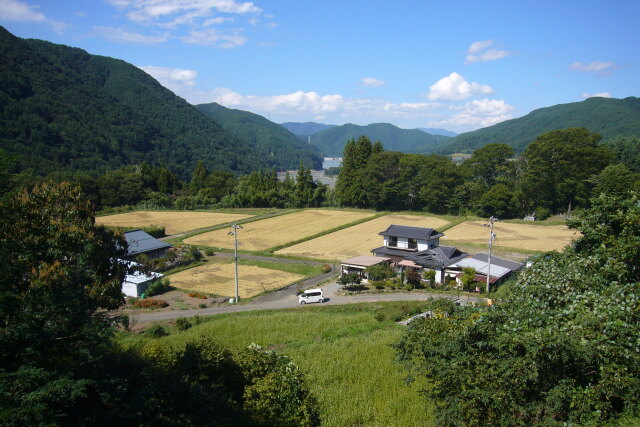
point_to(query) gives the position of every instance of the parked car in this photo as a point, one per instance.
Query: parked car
(311, 295)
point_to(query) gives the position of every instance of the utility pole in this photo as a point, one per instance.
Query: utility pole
(492, 238)
(234, 231)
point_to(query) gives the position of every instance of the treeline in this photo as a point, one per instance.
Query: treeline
(558, 172)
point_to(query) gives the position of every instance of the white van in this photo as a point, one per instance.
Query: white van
(311, 295)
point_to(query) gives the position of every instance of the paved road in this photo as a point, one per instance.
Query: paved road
(287, 298)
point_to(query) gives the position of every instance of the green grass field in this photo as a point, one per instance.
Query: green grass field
(345, 352)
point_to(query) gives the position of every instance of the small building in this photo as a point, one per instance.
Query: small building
(135, 284)
(140, 242)
(501, 268)
(360, 263)
(406, 238)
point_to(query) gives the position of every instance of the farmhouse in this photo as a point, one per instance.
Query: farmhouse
(419, 248)
(360, 263)
(140, 243)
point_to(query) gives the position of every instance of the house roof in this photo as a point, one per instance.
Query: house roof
(411, 232)
(440, 256)
(511, 265)
(137, 277)
(140, 242)
(482, 267)
(383, 250)
(364, 260)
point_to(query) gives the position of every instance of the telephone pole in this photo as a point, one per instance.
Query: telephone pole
(234, 231)
(492, 238)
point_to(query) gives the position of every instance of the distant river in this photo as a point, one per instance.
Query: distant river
(331, 162)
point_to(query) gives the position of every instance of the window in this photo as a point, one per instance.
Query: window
(393, 241)
(413, 244)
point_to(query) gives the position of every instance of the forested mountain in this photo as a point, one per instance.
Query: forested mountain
(270, 137)
(64, 109)
(608, 117)
(435, 131)
(331, 142)
(306, 128)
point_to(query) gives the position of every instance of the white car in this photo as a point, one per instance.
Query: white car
(311, 295)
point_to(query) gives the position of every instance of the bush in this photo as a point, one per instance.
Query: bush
(378, 285)
(209, 252)
(150, 303)
(156, 231)
(380, 271)
(202, 305)
(157, 331)
(159, 287)
(542, 213)
(326, 268)
(413, 277)
(355, 288)
(183, 324)
(348, 278)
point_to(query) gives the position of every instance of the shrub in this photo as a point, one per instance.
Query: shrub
(202, 305)
(209, 252)
(348, 278)
(413, 277)
(150, 303)
(355, 287)
(380, 317)
(156, 331)
(156, 231)
(542, 213)
(183, 324)
(378, 285)
(158, 287)
(326, 268)
(380, 271)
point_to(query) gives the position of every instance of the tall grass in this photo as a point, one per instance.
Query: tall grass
(345, 352)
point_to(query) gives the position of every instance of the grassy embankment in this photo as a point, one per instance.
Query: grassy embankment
(345, 352)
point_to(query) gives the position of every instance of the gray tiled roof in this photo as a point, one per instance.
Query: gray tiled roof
(140, 242)
(411, 232)
(440, 256)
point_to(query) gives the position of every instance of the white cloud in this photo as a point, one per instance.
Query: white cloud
(119, 35)
(14, 10)
(595, 66)
(476, 114)
(150, 10)
(175, 79)
(454, 87)
(594, 95)
(481, 51)
(371, 82)
(213, 37)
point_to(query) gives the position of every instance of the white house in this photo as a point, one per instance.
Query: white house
(135, 284)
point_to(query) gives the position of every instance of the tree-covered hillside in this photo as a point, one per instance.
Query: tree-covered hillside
(272, 138)
(306, 128)
(64, 109)
(331, 142)
(605, 116)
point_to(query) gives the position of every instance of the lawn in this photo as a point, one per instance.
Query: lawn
(174, 222)
(271, 232)
(357, 240)
(218, 277)
(510, 235)
(345, 352)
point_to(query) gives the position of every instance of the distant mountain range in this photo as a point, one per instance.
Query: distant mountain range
(66, 110)
(608, 117)
(305, 129)
(435, 131)
(264, 134)
(331, 141)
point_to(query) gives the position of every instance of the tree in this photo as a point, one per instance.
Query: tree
(561, 348)
(304, 186)
(350, 187)
(413, 277)
(615, 180)
(379, 271)
(468, 278)
(198, 177)
(491, 165)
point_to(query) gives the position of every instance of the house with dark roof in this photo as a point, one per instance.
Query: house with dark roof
(500, 268)
(140, 242)
(419, 248)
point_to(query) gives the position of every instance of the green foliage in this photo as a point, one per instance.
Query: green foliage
(380, 271)
(469, 273)
(561, 348)
(627, 151)
(159, 287)
(67, 110)
(610, 118)
(183, 324)
(413, 278)
(349, 278)
(270, 137)
(156, 331)
(331, 142)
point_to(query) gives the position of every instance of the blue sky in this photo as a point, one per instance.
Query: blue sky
(457, 65)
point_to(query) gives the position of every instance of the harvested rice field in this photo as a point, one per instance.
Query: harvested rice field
(357, 240)
(267, 233)
(173, 222)
(219, 279)
(518, 236)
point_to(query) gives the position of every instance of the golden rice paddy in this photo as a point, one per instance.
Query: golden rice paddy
(219, 279)
(267, 233)
(518, 236)
(173, 222)
(359, 239)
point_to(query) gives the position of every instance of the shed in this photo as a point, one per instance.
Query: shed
(140, 242)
